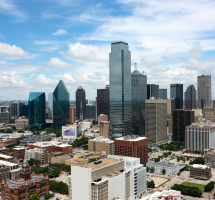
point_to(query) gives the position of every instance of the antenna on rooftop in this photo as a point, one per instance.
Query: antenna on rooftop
(135, 66)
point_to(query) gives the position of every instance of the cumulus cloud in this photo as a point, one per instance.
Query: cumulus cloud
(150, 61)
(58, 63)
(85, 53)
(60, 32)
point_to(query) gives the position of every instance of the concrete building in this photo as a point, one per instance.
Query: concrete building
(14, 169)
(4, 173)
(85, 125)
(208, 111)
(101, 144)
(35, 138)
(200, 171)
(132, 146)
(190, 98)
(162, 93)
(6, 158)
(209, 157)
(71, 115)
(164, 195)
(19, 151)
(90, 111)
(156, 121)
(104, 128)
(200, 136)
(4, 150)
(21, 123)
(38, 154)
(171, 168)
(109, 178)
(5, 117)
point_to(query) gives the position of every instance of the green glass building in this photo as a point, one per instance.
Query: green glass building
(36, 110)
(60, 105)
(90, 111)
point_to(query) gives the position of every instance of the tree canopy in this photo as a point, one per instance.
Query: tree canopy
(59, 187)
(35, 196)
(187, 190)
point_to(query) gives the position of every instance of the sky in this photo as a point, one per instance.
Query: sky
(44, 41)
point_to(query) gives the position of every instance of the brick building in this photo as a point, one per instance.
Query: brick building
(132, 146)
(200, 171)
(209, 157)
(25, 186)
(19, 152)
(4, 172)
(71, 115)
(4, 150)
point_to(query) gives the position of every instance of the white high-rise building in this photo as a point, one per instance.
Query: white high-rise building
(113, 177)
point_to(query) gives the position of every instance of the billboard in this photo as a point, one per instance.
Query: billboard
(69, 132)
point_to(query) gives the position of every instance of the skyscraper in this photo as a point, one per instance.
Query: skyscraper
(152, 91)
(50, 105)
(190, 97)
(103, 101)
(163, 93)
(90, 111)
(80, 103)
(61, 104)
(138, 95)
(120, 89)
(176, 92)
(36, 110)
(203, 91)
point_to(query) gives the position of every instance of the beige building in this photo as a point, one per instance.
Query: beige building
(197, 114)
(104, 128)
(101, 144)
(209, 157)
(21, 123)
(38, 154)
(208, 111)
(169, 128)
(200, 171)
(170, 106)
(6, 158)
(14, 169)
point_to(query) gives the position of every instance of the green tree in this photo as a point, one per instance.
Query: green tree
(187, 166)
(9, 130)
(35, 196)
(59, 187)
(199, 160)
(147, 168)
(209, 186)
(32, 162)
(21, 131)
(152, 169)
(163, 171)
(26, 128)
(49, 195)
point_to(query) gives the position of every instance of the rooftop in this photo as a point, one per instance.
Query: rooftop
(3, 162)
(200, 166)
(131, 138)
(201, 124)
(103, 139)
(50, 143)
(6, 156)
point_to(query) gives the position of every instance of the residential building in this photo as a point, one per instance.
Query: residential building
(35, 138)
(4, 173)
(120, 90)
(171, 168)
(90, 111)
(52, 154)
(138, 97)
(71, 115)
(132, 146)
(209, 157)
(200, 171)
(109, 178)
(19, 151)
(4, 150)
(21, 123)
(181, 119)
(36, 110)
(103, 102)
(204, 91)
(156, 121)
(152, 91)
(14, 169)
(101, 144)
(190, 98)
(104, 128)
(200, 136)
(162, 93)
(50, 105)
(6, 158)
(61, 105)
(176, 92)
(80, 103)
(38, 154)
(164, 195)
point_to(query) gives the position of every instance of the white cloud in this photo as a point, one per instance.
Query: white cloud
(59, 64)
(85, 53)
(60, 32)
(150, 61)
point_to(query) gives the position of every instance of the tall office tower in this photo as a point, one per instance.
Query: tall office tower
(50, 105)
(90, 111)
(36, 110)
(103, 102)
(71, 115)
(152, 91)
(176, 92)
(14, 109)
(163, 93)
(190, 98)
(5, 114)
(80, 103)
(138, 95)
(23, 109)
(181, 119)
(156, 121)
(203, 91)
(120, 90)
(61, 105)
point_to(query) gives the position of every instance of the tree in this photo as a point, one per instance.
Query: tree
(209, 186)
(59, 187)
(35, 196)
(26, 128)
(49, 195)
(147, 168)
(178, 173)
(21, 131)
(199, 160)
(151, 184)
(32, 162)
(9, 130)
(163, 171)
(187, 166)
(152, 169)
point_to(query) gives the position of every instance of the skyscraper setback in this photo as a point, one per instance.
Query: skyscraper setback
(120, 90)
(80, 103)
(190, 97)
(176, 92)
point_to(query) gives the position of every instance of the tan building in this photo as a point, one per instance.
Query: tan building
(21, 123)
(200, 171)
(208, 111)
(169, 128)
(6, 158)
(101, 144)
(170, 106)
(209, 157)
(71, 115)
(103, 117)
(14, 169)
(104, 128)
(60, 159)
(197, 114)
(38, 154)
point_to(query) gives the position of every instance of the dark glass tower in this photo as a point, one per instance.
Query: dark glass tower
(190, 97)
(103, 101)
(120, 90)
(163, 93)
(139, 95)
(176, 92)
(36, 110)
(90, 111)
(61, 103)
(152, 91)
(80, 103)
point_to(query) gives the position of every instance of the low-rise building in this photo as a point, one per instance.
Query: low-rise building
(200, 171)
(164, 195)
(38, 154)
(21, 123)
(6, 158)
(4, 150)
(14, 169)
(19, 151)
(54, 154)
(35, 138)
(104, 128)
(209, 157)
(70, 131)
(4, 173)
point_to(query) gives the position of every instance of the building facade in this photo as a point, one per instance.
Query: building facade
(19, 152)
(21, 123)
(38, 154)
(176, 92)
(203, 91)
(4, 173)
(120, 90)
(90, 111)
(13, 167)
(71, 115)
(50, 105)
(152, 91)
(200, 171)
(80, 103)
(209, 157)
(103, 102)
(4, 150)
(139, 95)
(104, 128)
(190, 98)
(162, 93)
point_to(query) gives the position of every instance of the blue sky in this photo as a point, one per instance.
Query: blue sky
(42, 42)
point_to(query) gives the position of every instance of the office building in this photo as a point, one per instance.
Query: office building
(104, 128)
(4, 109)
(21, 123)
(36, 110)
(70, 131)
(120, 90)
(90, 111)
(103, 117)
(4, 173)
(203, 91)
(61, 105)
(13, 167)
(181, 119)
(176, 92)
(200, 171)
(190, 98)
(152, 91)
(19, 151)
(71, 115)
(162, 93)
(50, 105)
(80, 103)
(139, 95)
(38, 154)
(156, 121)
(208, 111)
(18, 109)
(200, 136)
(170, 106)
(103, 102)
(5, 114)
(132, 146)
(110, 178)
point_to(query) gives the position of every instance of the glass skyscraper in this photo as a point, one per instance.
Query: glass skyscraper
(139, 95)
(80, 103)
(50, 105)
(120, 90)
(90, 111)
(152, 91)
(36, 110)
(190, 98)
(103, 101)
(176, 92)
(61, 104)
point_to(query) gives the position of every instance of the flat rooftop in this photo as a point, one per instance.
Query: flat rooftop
(6, 156)
(131, 138)
(201, 125)
(50, 143)
(7, 163)
(200, 166)
(102, 139)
